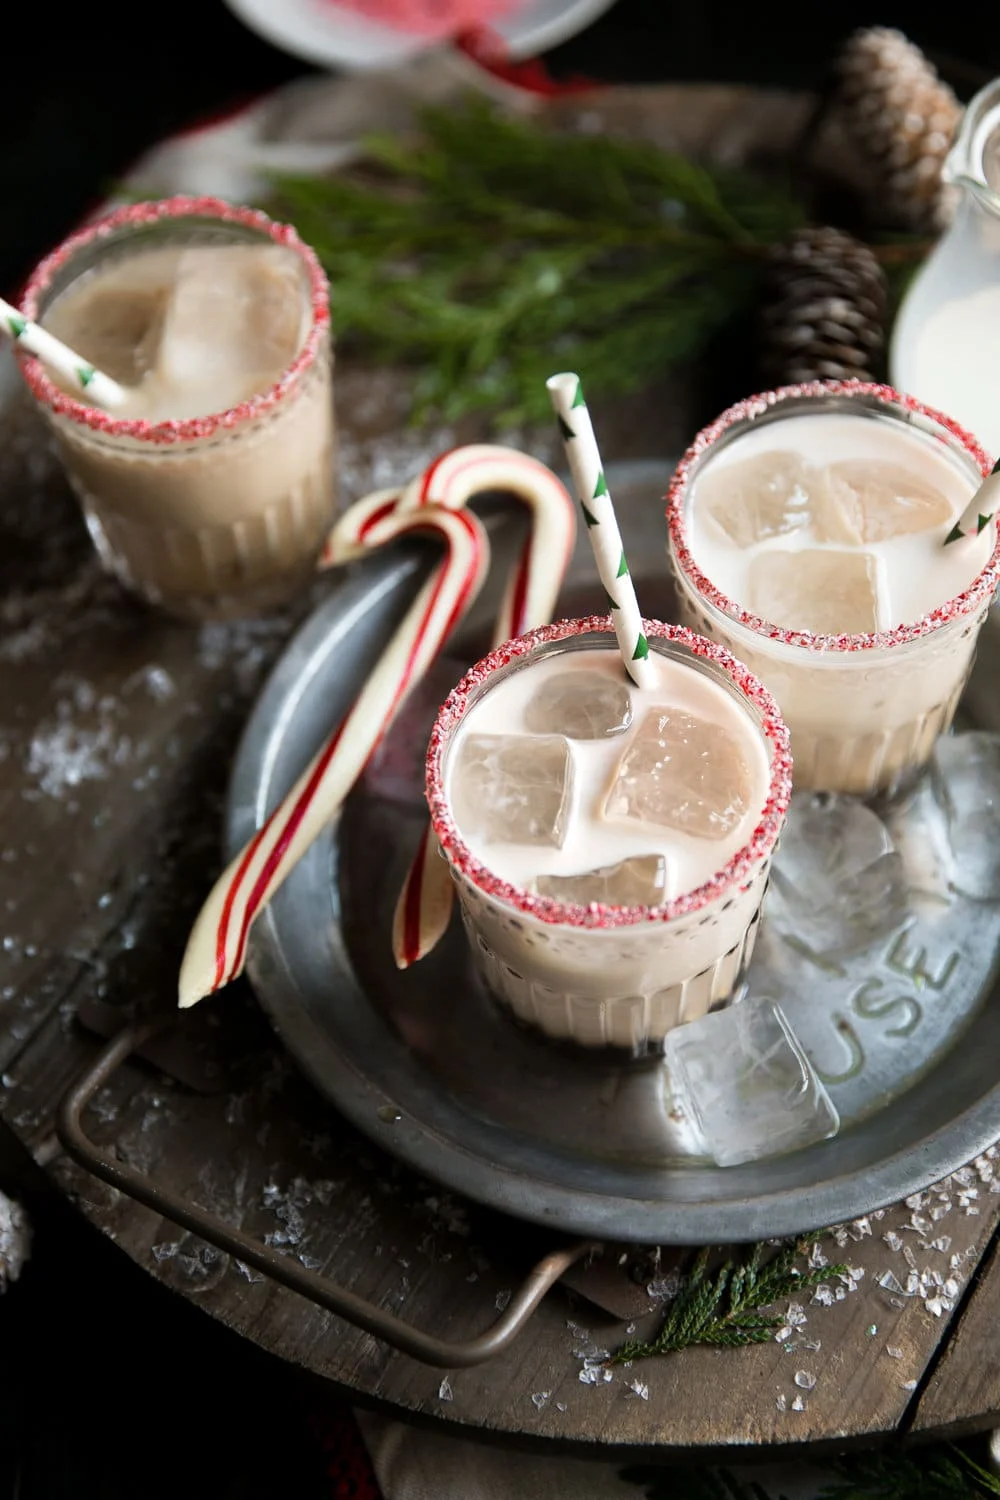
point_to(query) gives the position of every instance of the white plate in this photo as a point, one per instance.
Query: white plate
(332, 36)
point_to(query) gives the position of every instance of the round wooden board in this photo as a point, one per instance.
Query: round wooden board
(116, 733)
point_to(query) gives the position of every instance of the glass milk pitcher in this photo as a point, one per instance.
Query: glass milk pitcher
(946, 341)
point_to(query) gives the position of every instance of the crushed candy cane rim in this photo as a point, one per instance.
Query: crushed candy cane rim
(978, 594)
(137, 215)
(736, 873)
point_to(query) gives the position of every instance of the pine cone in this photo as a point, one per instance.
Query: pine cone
(824, 310)
(903, 119)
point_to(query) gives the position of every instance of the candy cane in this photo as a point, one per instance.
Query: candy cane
(451, 481)
(216, 948)
(349, 537)
(537, 577)
(423, 910)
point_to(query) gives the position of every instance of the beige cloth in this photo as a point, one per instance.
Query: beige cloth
(311, 125)
(415, 1464)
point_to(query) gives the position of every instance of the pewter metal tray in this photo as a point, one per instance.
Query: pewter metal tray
(905, 1035)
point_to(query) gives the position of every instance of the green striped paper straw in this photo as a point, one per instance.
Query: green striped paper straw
(980, 510)
(584, 459)
(100, 390)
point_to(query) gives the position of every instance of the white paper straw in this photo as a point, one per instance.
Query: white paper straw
(100, 390)
(980, 510)
(591, 487)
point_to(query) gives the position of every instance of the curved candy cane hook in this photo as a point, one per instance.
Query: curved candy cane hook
(216, 949)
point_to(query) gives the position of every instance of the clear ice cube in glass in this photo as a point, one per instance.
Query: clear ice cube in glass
(837, 881)
(824, 590)
(127, 322)
(513, 789)
(638, 881)
(966, 774)
(237, 314)
(682, 772)
(873, 502)
(580, 705)
(758, 498)
(744, 1081)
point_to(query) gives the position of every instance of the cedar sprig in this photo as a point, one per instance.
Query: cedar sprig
(486, 250)
(937, 1473)
(729, 1308)
(945, 1473)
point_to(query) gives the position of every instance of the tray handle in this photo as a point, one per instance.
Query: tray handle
(318, 1289)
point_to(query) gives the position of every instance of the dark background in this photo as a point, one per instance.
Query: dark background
(88, 86)
(110, 1387)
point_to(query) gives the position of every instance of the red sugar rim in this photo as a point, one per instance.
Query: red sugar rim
(974, 597)
(135, 215)
(570, 914)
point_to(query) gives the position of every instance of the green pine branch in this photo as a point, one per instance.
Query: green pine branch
(937, 1473)
(729, 1308)
(944, 1473)
(487, 250)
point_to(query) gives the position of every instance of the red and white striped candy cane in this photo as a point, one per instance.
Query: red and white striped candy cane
(423, 910)
(349, 536)
(216, 948)
(537, 577)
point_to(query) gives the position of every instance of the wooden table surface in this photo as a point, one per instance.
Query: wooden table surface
(117, 729)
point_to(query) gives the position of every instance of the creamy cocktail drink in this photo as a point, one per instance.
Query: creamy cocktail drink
(806, 534)
(210, 490)
(610, 843)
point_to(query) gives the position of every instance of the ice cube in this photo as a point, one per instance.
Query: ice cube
(827, 591)
(864, 502)
(236, 318)
(966, 775)
(682, 772)
(759, 498)
(580, 705)
(743, 1078)
(837, 881)
(513, 789)
(639, 881)
(117, 325)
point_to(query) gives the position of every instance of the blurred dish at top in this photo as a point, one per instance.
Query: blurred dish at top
(336, 35)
